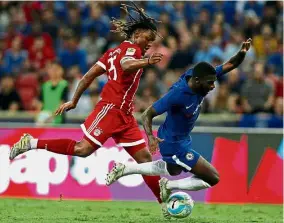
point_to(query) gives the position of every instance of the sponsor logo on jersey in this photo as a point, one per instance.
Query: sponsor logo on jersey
(130, 52)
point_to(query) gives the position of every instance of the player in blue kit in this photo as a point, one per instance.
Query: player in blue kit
(182, 104)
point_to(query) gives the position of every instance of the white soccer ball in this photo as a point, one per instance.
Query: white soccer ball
(180, 205)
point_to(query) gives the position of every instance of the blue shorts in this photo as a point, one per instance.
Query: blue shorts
(179, 153)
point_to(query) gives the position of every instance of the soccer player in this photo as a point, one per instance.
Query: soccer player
(182, 104)
(112, 116)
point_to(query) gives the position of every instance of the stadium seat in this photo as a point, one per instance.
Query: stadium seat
(27, 87)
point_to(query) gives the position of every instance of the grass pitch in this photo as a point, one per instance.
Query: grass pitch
(27, 211)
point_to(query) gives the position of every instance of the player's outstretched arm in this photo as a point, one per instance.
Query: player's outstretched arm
(236, 60)
(132, 65)
(84, 83)
(147, 118)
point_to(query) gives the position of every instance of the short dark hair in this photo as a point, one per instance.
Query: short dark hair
(203, 69)
(142, 22)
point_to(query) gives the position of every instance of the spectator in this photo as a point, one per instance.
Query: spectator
(256, 93)
(74, 20)
(255, 6)
(2, 49)
(279, 87)
(54, 92)
(10, 35)
(32, 11)
(4, 16)
(147, 98)
(250, 24)
(233, 45)
(207, 52)
(36, 32)
(204, 21)
(275, 59)
(157, 46)
(183, 57)
(93, 45)
(152, 82)
(265, 42)
(278, 107)
(73, 55)
(217, 34)
(166, 21)
(40, 54)
(270, 77)
(235, 81)
(50, 24)
(14, 58)
(192, 31)
(220, 101)
(19, 21)
(172, 44)
(97, 20)
(84, 105)
(9, 98)
(170, 78)
(270, 15)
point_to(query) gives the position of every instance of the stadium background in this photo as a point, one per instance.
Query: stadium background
(75, 34)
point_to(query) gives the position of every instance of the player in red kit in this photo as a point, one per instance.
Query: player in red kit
(112, 116)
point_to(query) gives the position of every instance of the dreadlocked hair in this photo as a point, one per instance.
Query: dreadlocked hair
(126, 29)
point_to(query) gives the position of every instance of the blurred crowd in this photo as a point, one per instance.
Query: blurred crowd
(48, 44)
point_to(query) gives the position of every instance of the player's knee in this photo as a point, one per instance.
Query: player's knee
(144, 158)
(214, 179)
(173, 170)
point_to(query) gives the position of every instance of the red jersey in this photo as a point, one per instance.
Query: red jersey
(121, 87)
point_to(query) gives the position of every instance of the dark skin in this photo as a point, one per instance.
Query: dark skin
(203, 169)
(204, 85)
(143, 38)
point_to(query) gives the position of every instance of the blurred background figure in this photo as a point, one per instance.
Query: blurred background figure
(72, 54)
(74, 34)
(15, 57)
(53, 93)
(258, 95)
(9, 98)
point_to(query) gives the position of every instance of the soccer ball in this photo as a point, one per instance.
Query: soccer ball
(180, 205)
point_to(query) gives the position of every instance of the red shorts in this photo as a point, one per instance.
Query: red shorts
(108, 121)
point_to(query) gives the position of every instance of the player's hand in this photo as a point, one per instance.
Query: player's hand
(65, 107)
(155, 58)
(153, 144)
(246, 45)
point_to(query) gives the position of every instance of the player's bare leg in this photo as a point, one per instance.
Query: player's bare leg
(205, 176)
(61, 146)
(205, 171)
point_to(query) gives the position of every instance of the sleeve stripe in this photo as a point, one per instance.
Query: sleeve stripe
(101, 65)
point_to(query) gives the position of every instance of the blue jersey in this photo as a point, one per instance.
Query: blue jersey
(182, 106)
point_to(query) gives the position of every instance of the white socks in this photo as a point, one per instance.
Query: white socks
(33, 143)
(159, 167)
(189, 183)
(154, 168)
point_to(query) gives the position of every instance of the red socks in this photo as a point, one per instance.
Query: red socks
(153, 184)
(60, 146)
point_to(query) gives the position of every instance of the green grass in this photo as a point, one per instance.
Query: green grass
(51, 211)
